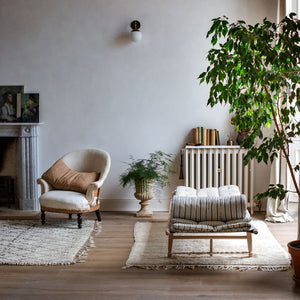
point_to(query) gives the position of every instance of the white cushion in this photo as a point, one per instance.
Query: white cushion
(229, 190)
(208, 192)
(68, 200)
(185, 191)
(225, 190)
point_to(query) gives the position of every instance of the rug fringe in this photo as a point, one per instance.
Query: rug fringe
(90, 243)
(211, 267)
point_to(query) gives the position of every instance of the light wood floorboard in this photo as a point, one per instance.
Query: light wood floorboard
(102, 276)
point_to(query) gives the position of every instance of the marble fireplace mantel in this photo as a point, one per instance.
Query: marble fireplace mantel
(26, 160)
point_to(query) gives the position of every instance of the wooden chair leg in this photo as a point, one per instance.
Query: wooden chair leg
(249, 242)
(98, 215)
(170, 245)
(70, 216)
(79, 220)
(43, 216)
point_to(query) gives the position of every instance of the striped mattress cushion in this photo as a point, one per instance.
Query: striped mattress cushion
(201, 209)
(237, 226)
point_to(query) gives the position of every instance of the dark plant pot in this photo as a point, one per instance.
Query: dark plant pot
(241, 137)
(294, 250)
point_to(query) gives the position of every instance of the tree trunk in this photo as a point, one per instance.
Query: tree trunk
(298, 231)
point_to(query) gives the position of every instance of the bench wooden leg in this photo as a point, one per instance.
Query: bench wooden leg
(170, 245)
(210, 247)
(249, 242)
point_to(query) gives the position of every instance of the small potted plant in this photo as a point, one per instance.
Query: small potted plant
(144, 174)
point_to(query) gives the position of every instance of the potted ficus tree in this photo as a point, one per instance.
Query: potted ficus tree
(255, 70)
(146, 174)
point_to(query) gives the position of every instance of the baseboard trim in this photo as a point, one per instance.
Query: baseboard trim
(132, 205)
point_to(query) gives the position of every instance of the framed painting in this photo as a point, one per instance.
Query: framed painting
(8, 102)
(28, 108)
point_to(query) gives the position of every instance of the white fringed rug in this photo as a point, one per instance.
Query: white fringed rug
(58, 242)
(151, 245)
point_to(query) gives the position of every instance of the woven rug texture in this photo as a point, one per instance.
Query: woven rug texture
(58, 242)
(151, 245)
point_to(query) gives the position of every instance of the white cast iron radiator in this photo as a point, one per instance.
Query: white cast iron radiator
(214, 166)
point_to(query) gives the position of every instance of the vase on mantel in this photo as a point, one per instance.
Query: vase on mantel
(144, 193)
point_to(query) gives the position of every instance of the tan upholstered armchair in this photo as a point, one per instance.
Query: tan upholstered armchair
(91, 162)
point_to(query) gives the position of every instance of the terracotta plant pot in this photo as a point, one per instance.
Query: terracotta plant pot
(294, 250)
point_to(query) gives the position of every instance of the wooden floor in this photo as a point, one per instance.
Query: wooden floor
(102, 276)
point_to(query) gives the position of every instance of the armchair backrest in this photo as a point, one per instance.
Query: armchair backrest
(89, 160)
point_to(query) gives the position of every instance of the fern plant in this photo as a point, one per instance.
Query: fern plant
(156, 167)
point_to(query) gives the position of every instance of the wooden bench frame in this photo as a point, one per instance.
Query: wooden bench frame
(177, 236)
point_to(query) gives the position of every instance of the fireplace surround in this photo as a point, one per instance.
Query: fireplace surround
(26, 162)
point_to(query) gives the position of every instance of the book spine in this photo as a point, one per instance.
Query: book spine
(217, 138)
(199, 135)
(196, 135)
(204, 137)
(213, 137)
(207, 137)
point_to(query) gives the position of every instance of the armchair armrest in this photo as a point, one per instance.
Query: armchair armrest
(93, 191)
(45, 186)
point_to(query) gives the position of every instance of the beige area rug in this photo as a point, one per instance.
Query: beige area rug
(151, 245)
(58, 242)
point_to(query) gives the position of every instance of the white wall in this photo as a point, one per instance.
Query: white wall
(98, 89)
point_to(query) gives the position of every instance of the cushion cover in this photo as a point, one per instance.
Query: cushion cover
(237, 226)
(185, 191)
(201, 209)
(226, 190)
(64, 200)
(61, 177)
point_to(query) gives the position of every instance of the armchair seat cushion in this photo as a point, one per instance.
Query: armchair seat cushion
(68, 200)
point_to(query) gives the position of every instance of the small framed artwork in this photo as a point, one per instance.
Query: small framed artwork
(8, 102)
(28, 108)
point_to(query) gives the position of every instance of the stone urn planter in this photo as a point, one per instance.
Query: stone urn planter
(294, 250)
(144, 174)
(144, 193)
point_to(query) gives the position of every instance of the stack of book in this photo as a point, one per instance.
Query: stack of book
(206, 137)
